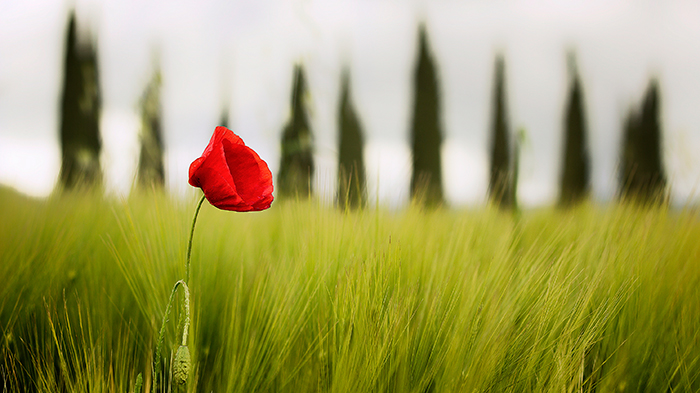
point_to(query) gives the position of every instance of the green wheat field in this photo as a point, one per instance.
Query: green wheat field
(308, 298)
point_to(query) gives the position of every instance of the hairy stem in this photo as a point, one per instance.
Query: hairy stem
(189, 245)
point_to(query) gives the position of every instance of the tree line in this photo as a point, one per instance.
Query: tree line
(641, 173)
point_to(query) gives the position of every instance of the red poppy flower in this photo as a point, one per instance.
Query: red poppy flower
(232, 175)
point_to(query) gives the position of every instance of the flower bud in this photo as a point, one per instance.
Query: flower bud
(181, 366)
(139, 383)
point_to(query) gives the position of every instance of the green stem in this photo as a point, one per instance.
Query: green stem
(186, 327)
(189, 245)
(185, 330)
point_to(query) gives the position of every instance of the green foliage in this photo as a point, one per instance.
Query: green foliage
(426, 133)
(308, 298)
(80, 113)
(352, 190)
(501, 179)
(297, 161)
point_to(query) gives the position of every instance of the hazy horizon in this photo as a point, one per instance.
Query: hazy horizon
(239, 57)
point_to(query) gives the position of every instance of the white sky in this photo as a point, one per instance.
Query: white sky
(239, 55)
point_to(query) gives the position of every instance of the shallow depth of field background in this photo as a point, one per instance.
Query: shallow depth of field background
(461, 292)
(237, 58)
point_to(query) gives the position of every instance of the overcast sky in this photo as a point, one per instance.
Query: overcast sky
(238, 56)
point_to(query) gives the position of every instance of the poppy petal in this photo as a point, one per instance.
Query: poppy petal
(232, 175)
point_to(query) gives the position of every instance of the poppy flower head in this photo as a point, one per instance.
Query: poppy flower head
(232, 175)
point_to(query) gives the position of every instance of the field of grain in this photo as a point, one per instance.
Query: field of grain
(307, 298)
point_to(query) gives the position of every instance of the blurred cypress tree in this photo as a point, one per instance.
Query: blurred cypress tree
(297, 166)
(80, 112)
(575, 177)
(500, 179)
(151, 172)
(351, 168)
(642, 175)
(426, 135)
(223, 120)
(519, 142)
